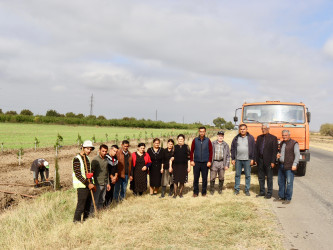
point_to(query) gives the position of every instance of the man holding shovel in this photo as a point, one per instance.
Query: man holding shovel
(83, 181)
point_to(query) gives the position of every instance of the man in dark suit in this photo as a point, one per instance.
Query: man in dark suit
(266, 150)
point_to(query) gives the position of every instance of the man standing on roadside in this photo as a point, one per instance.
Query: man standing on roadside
(201, 160)
(112, 172)
(289, 158)
(124, 169)
(99, 167)
(266, 150)
(221, 161)
(82, 181)
(242, 155)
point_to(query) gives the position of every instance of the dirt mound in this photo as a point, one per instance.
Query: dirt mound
(7, 200)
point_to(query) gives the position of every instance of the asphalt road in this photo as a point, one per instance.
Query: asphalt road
(307, 222)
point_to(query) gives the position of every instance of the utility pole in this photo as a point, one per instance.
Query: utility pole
(91, 104)
(156, 115)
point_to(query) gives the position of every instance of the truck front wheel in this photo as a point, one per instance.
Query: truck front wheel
(301, 169)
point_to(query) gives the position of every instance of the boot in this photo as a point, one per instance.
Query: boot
(212, 187)
(36, 183)
(163, 192)
(220, 186)
(171, 190)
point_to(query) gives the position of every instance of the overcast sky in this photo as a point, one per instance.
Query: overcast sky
(192, 59)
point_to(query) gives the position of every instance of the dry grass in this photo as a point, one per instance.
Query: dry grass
(219, 221)
(321, 141)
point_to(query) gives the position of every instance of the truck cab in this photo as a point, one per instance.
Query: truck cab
(280, 116)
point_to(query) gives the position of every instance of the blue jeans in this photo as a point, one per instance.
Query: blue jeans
(240, 164)
(120, 186)
(286, 183)
(99, 197)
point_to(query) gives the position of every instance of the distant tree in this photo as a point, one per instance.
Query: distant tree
(11, 112)
(326, 129)
(26, 112)
(219, 122)
(80, 115)
(52, 112)
(229, 125)
(128, 119)
(93, 117)
(70, 114)
(101, 117)
(1, 112)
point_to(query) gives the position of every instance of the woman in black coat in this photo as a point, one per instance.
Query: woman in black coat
(180, 165)
(155, 175)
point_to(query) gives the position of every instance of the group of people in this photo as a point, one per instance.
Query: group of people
(266, 154)
(106, 177)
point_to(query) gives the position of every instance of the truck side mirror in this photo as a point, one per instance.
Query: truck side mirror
(308, 115)
(235, 119)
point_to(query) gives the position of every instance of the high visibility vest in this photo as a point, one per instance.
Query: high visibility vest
(76, 182)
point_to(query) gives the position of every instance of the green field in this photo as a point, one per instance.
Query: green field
(15, 136)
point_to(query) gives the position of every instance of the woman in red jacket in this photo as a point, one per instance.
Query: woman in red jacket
(141, 163)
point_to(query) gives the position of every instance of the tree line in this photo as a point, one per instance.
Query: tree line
(70, 118)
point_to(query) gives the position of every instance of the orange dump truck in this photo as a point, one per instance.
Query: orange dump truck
(280, 116)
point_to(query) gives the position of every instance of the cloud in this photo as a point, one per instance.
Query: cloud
(328, 47)
(59, 88)
(196, 58)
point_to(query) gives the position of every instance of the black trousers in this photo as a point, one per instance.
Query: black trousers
(109, 196)
(265, 170)
(200, 167)
(83, 204)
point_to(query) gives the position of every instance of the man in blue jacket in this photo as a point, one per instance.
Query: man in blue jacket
(243, 155)
(201, 160)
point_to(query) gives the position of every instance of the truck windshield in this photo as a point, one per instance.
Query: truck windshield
(274, 113)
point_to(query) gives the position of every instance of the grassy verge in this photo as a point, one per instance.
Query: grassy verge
(216, 221)
(220, 221)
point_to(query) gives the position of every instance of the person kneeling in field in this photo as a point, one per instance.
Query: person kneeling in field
(82, 178)
(221, 161)
(39, 166)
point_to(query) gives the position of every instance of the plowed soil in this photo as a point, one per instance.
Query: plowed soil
(19, 179)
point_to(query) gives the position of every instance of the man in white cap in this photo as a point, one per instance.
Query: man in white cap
(39, 166)
(83, 181)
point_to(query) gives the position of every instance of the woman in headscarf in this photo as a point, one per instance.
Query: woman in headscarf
(141, 164)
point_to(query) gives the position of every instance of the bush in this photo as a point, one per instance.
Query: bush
(101, 117)
(91, 117)
(26, 112)
(11, 112)
(70, 114)
(53, 113)
(326, 129)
